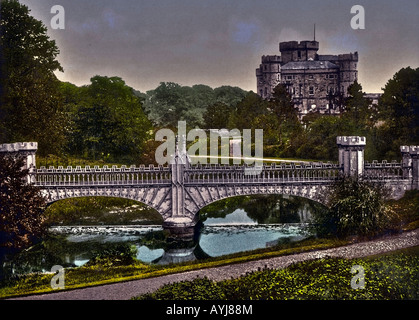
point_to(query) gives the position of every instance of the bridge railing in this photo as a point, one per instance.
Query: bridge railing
(383, 170)
(78, 176)
(275, 173)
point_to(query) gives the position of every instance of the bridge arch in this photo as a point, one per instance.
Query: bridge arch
(198, 197)
(103, 210)
(155, 199)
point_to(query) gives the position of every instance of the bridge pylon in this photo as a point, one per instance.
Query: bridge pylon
(179, 223)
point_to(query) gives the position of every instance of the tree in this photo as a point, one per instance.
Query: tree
(216, 116)
(171, 102)
(319, 140)
(399, 110)
(166, 104)
(288, 125)
(22, 206)
(357, 106)
(356, 207)
(246, 111)
(31, 104)
(109, 121)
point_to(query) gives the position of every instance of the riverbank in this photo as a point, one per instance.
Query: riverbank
(129, 289)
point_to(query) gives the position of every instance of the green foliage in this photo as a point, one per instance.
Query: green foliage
(21, 210)
(108, 120)
(356, 208)
(197, 289)
(100, 210)
(357, 106)
(390, 277)
(319, 139)
(171, 102)
(31, 103)
(113, 256)
(399, 111)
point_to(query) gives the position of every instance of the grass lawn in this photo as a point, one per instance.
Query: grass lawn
(391, 276)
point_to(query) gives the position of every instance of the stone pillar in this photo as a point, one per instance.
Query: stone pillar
(179, 224)
(406, 162)
(414, 154)
(351, 155)
(26, 149)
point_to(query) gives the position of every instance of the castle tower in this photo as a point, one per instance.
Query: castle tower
(294, 51)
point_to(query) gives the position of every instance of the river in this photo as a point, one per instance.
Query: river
(228, 227)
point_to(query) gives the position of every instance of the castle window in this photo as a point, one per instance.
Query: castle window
(266, 91)
(299, 55)
(311, 91)
(261, 92)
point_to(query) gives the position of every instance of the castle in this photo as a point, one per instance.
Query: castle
(316, 83)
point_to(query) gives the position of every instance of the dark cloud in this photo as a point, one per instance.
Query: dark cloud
(219, 42)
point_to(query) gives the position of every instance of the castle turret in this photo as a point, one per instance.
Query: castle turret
(294, 51)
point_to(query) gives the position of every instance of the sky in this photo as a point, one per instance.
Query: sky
(220, 42)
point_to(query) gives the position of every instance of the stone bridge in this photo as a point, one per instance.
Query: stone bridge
(178, 191)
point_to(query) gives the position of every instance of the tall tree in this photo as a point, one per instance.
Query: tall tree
(21, 210)
(399, 109)
(357, 107)
(282, 107)
(31, 104)
(216, 116)
(110, 122)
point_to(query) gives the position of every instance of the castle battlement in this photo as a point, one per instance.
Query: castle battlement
(348, 56)
(19, 146)
(268, 59)
(414, 150)
(295, 45)
(351, 141)
(404, 149)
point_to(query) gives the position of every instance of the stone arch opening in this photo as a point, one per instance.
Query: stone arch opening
(101, 210)
(260, 209)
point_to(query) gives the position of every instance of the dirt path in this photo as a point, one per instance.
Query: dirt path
(126, 290)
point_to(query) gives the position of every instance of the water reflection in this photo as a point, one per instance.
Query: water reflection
(229, 226)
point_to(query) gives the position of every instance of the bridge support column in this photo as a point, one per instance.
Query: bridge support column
(25, 149)
(179, 224)
(351, 155)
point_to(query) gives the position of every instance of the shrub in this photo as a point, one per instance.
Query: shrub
(198, 289)
(118, 255)
(356, 207)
